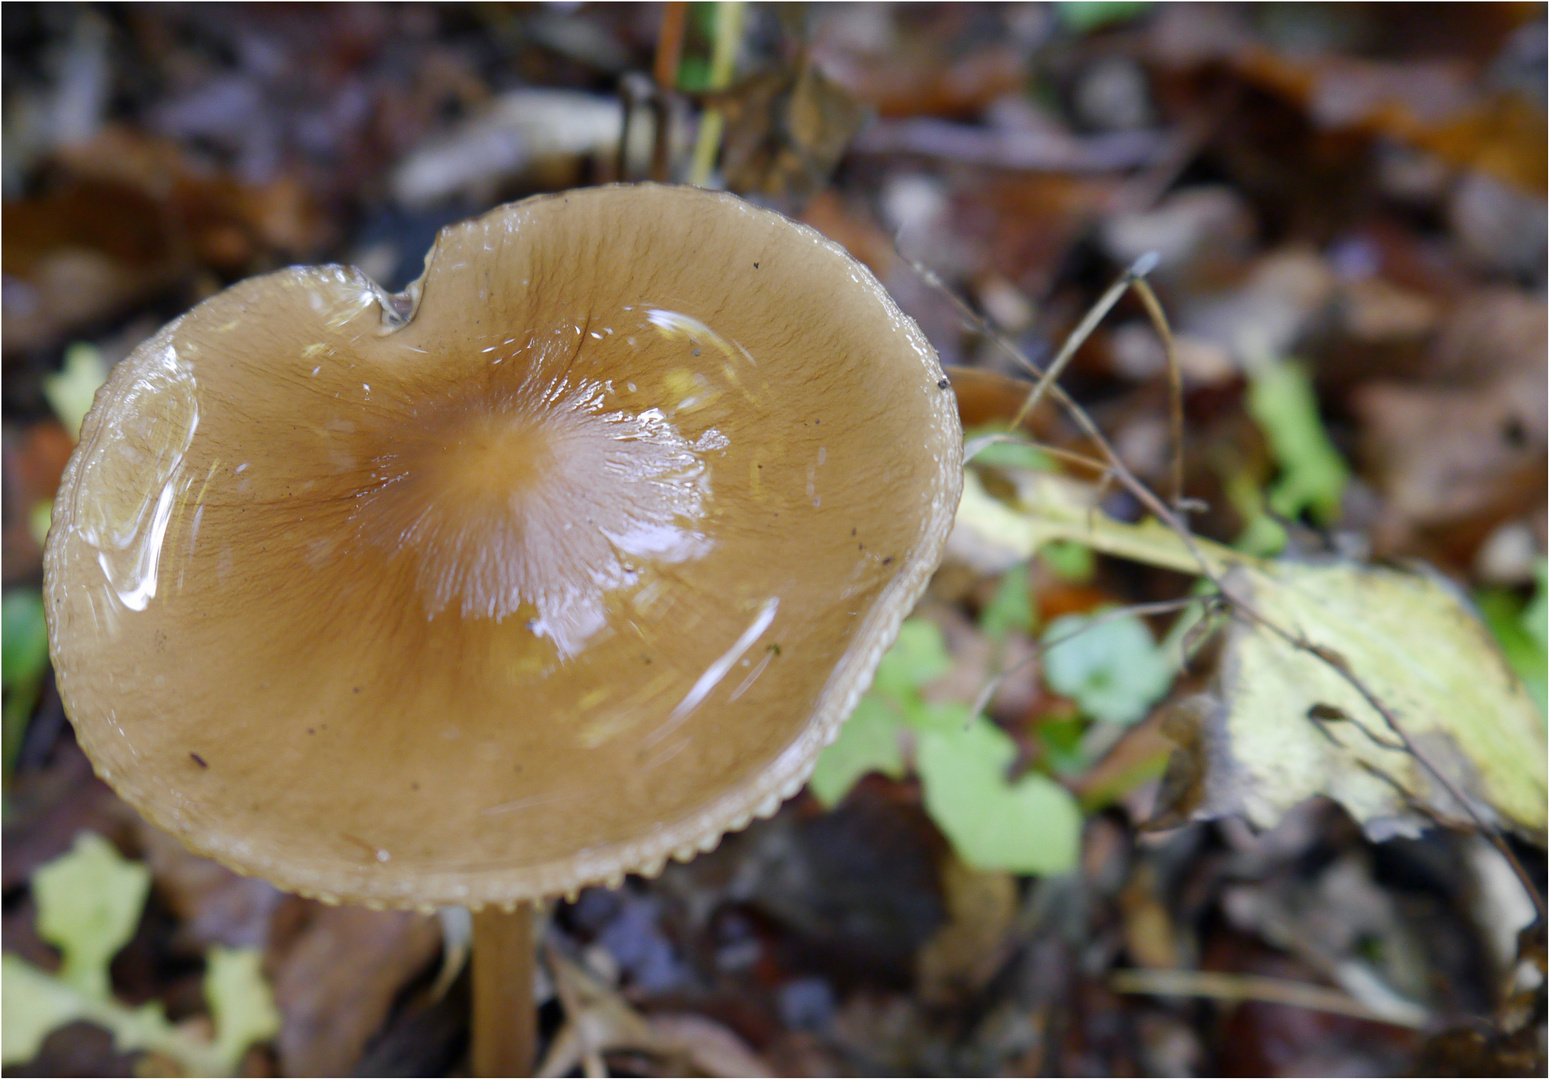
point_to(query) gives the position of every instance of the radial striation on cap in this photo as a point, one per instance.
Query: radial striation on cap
(564, 562)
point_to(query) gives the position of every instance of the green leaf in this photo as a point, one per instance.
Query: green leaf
(23, 637)
(240, 1002)
(1032, 826)
(1062, 740)
(936, 715)
(36, 1003)
(1110, 667)
(1011, 452)
(89, 902)
(24, 644)
(1509, 620)
(1068, 561)
(869, 742)
(1536, 615)
(32, 1003)
(1085, 16)
(1012, 606)
(1313, 474)
(1287, 726)
(917, 657)
(70, 392)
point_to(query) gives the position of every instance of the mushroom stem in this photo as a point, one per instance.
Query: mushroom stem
(505, 1023)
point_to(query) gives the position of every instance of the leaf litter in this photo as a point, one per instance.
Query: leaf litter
(1339, 210)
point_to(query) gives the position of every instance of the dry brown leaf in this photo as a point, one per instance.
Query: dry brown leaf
(963, 955)
(598, 1021)
(336, 980)
(786, 131)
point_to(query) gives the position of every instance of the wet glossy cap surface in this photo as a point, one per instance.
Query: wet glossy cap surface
(572, 570)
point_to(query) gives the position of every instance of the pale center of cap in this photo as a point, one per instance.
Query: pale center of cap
(538, 500)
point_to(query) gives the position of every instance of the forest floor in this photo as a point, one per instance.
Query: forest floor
(1348, 207)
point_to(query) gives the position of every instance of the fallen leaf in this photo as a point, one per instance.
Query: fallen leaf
(1286, 726)
(89, 902)
(786, 131)
(337, 980)
(599, 1021)
(35, 458)
(991, 536)
(963, 955)
(1028, 826)
(868, 742)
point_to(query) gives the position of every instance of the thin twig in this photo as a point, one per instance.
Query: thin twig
(1228, 987)
(1078, 337)
(1154, 310)
(670, 43)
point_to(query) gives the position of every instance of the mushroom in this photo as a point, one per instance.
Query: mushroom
(567, 560)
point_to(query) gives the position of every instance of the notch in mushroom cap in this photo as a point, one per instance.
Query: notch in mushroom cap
(566, 561)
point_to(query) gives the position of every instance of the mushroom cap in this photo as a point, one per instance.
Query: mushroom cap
(568, 559)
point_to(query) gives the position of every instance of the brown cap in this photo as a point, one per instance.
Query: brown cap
(567, 560)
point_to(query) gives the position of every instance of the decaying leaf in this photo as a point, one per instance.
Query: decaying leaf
(599, 1021)
(991, 536)
(1286, 724)
(336, 982)
(965, 953)
(787, 129)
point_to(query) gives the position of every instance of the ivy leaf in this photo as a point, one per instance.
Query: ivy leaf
(1031, 826)
(89, 902)
(1111, 667)
(869, 742)
(241, 1002)
(32, 1003)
